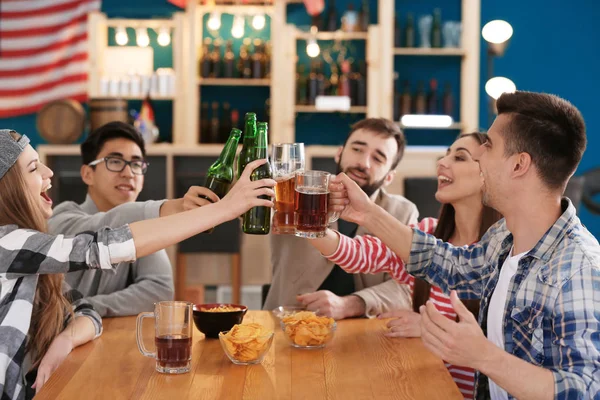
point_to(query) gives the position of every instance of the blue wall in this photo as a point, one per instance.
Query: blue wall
(554, 49)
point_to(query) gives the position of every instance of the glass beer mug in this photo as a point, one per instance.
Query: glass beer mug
(312, 214)
(172, 336)
(287, 160)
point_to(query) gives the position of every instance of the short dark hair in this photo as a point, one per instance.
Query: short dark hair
(92, 145)
(384, 127)
(550, 129)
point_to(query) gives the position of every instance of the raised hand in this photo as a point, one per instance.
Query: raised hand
(245, 193)
(198, 196)
(347, 198)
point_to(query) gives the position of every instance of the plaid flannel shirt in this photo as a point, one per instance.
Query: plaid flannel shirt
(552, 314)
(24, 254)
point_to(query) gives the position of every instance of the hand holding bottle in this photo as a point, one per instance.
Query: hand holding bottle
(244, 195)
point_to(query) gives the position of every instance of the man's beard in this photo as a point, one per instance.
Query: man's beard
(368, 188)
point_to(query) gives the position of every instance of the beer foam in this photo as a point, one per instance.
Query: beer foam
(312, 190)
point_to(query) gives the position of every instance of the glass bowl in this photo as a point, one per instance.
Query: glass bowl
(246, 350)
(309, 336)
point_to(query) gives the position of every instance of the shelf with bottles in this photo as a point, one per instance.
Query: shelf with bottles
(336, 35)
(314, 109)
(434, 37)
(421, 104)
(251, 67)
(418, 51)
(233, 82)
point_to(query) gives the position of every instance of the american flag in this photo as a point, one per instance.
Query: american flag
(43, 53)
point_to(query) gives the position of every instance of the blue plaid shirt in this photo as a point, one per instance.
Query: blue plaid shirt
(552, 315)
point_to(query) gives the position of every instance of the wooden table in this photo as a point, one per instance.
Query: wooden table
(359, 363)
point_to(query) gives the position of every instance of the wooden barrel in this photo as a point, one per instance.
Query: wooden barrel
(61, 121)
(103, 111)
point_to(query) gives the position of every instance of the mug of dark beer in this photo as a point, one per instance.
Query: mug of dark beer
(312, 214)
(172, 336)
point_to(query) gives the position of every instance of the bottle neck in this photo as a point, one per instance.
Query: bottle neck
(228, 154)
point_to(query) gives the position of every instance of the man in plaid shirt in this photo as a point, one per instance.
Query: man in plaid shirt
(537, 272)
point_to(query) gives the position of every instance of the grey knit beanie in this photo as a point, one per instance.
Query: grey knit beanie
(10, 150)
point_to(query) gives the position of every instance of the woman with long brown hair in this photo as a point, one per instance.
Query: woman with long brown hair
(40, 322)
(463, 220)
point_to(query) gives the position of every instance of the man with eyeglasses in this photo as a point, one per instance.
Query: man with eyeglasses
(114, 165)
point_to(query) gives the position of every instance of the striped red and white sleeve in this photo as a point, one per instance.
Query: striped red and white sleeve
(369, 255)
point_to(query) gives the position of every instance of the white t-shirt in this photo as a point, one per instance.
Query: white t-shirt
(495, 321)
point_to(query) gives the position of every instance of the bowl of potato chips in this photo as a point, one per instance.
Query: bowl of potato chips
(211, 319)
(246, 344)
(284, 311)
(307, 330)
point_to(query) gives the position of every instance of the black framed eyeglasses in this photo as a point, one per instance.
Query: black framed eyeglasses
(117, 164)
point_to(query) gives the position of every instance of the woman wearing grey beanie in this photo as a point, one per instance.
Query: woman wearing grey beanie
(40, 320)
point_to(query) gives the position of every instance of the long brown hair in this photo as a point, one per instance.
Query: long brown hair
(444, 231)
(50, 307)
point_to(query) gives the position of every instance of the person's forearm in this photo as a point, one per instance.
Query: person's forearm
(326, 245)
(518, 377)
(79, 331)
(171, 207)
(389, 230)
(354, 306)
(152, 235)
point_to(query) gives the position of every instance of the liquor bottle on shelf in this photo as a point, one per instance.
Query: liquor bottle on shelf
(214, 123)
(257, 60)
(350, 20)
(204, 123)
(332, 84)
(432, 98)
(206, 60)
(420, 99)
(405, 100)
(332, 18)
(220, 174)
(396, 105)
(344, 80)
(245, 61)
(320, 80)
(235, 118)
(257, 221)
(448, 101)
(436, 29)
(248, 142)
(302, 85)
(397, 32)
(216, 59)
(365, 16)
(313, 84)
(229, 61)
(226, 123)
(267, 58)
(361, 84)
(409, 31)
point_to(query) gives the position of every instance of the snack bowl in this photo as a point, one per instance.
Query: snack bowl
(246, 350)
(212, 322)
(311, 333)
(284, 311)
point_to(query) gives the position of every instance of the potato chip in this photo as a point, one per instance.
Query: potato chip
(221, 308)
(247, 342)
(305, 328)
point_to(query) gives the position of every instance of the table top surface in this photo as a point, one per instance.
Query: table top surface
(359, 363)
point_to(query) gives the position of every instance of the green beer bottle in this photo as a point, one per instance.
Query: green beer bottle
(257, 220)
(249, 141)
(220, 175)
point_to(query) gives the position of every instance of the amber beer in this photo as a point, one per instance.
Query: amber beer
(311, 211)
(285, 193)
(173, 351)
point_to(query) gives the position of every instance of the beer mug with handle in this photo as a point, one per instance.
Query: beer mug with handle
(287, 160)
(172, 336)
(312, 214)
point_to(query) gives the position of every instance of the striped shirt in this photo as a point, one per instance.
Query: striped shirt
(551, 313)
(369, 255)
(25, 254)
